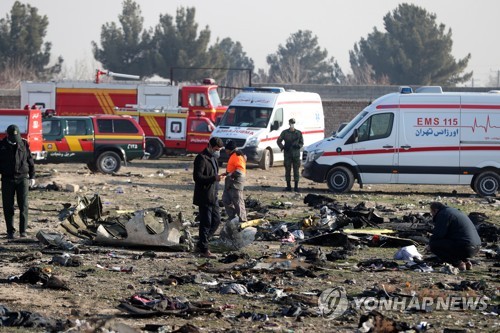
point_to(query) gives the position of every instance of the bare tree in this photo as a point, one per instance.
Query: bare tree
(290, 70)
(14, 72)
(82, 69)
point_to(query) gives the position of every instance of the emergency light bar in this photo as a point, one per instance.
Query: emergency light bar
(405, 90)
(208, 81)
(275, 90)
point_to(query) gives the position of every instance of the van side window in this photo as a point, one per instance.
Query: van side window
(77, 127)
(376, 127)
(278, 116)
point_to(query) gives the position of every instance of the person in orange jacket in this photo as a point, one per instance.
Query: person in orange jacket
(232, 197)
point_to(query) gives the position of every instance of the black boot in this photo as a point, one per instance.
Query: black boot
(288, 187)
(296, 189)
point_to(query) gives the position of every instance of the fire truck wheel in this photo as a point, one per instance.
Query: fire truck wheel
(340, 179)
(487, 183)
(92, 166)
(265, 161)
(154, 148)
(108, 162)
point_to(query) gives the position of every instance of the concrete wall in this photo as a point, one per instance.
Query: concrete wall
(10, 99)
(328, 92)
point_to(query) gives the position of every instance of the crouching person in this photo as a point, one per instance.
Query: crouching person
(454, 238)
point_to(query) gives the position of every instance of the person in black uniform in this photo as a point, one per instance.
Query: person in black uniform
(293, 143)
(454, 238)
(206, 181)
(18, 174)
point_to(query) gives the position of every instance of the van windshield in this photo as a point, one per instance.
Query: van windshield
(351, 124)
(246, 116)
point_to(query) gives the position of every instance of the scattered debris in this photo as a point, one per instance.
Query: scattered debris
(408, 253)
(37, 275)
(150, 304)
(54, 239)
(30, 319)
(234, 288)
(449, 269)
(232, 238)
(374, 321)
(148, 227)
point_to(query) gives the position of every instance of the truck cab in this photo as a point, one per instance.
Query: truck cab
(202, 98)
(103, 142)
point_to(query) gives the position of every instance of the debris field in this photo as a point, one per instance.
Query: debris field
(114, 253)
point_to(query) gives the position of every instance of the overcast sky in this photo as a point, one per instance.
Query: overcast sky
(261, 25)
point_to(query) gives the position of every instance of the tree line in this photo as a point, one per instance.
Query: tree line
(413, 49)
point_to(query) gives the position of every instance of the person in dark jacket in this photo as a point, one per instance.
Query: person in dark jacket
(18, 174)
(454, 238)
(206, 180)
(293, 143)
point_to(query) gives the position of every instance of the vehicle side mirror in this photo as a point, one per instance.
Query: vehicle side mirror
(275, 126)
(217, 121)
(355, 135)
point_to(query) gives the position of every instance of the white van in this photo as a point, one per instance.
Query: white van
(257, 116)
(427, 137)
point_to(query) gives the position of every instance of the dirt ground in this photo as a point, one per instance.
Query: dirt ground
(95, 292)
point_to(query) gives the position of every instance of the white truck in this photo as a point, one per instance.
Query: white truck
(257, 116)
(426, 137)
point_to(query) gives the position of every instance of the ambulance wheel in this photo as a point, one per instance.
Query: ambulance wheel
(487, 183)
(265, 161)
(340, 179)
(108, 162)
(92, 166)
(155, 149)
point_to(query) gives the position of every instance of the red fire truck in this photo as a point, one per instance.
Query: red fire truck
(174, 129)
(29, 122)
(78, 98)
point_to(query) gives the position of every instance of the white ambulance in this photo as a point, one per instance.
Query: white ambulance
(426, 137)
(256, 117)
